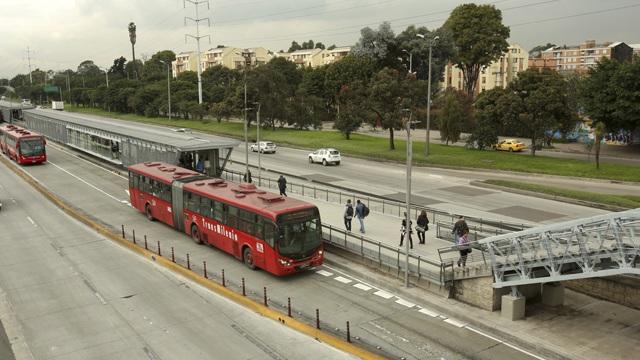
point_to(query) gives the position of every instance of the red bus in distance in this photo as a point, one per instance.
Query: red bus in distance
(22, 145)
(277, 234)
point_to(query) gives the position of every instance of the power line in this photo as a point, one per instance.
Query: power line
(577, 15)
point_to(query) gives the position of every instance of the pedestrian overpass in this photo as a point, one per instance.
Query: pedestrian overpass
(598, 246)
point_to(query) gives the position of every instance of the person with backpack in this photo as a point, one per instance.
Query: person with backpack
(422, 226)
(403, 231)
(282, 185)
(461, 235)
(361, 212)
(348, 215)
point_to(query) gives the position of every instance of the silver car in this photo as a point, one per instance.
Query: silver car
(325, 156)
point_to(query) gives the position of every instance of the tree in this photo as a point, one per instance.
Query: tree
(542, 103)
(454, 112)
(294, 47)
(489, 119)
(352, 103)
(479, 38)
(118, 67)
(319, 45)
(387, 97)
(132, 39)
(380, 46)
(307, 45)
(599, 130)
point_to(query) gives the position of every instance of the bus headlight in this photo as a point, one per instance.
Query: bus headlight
(284, 262)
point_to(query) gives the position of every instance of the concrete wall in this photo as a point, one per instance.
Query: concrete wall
(623, 290)
(479, 292)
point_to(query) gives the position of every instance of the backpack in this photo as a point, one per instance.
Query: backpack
(365, 210)
(350, 211)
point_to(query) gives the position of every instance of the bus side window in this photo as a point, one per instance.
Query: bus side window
(269, 233)
(232, 216)
(218, 212)
(130, 180)
(136, 181)
(205, 207)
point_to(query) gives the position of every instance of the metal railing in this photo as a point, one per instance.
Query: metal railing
(383, 255)
(377, 204)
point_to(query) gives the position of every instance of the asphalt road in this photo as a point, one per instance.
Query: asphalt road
(76, 295)
(444, 189)
(379, 318)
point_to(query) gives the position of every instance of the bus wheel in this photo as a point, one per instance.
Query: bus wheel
(147, 211)
(247, 256)
(195, 234)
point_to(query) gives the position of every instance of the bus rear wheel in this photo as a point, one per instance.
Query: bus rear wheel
(147, 211)
(195, 234)
(247, 257)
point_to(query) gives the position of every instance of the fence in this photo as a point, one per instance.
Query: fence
(374, 203)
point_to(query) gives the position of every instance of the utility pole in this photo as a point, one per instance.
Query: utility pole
(29, 61)
(430, 43)
(407, 229)
(258, 141)
(197, 37)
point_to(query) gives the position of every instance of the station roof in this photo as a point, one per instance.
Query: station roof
(15, 105)
(182, 139)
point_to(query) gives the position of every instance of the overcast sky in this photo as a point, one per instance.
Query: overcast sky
(62, 33)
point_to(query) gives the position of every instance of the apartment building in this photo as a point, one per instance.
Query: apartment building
(497, 74)
(580, 58)
(305, 58)
(635, 48)
(230, 57)
(185, 61)
(335, 54)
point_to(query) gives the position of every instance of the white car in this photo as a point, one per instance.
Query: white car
(265, 147)
(325, 156)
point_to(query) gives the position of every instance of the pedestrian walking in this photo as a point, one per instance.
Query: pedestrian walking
(422, 225)
(282, 185)
(247, 177)
(461, 234)
(403, 231)
(348, 215)
(361, 212)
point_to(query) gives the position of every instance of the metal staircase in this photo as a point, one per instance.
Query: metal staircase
(598, 246)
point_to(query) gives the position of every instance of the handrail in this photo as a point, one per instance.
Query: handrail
(384, 204)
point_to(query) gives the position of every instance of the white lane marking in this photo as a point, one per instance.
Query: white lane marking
(342, 279)
(383, 294)
(88, 162)
(324, 273)
(454, 323)
(405, 303)
(128, 193)
(435, 176)
(503, 342)
(362, 287)
(428, 312)
(13, 201)
(100, 298)
(87, 183)
(31, 220)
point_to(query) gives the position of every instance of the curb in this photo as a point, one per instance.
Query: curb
(246, 302)
(567, 200)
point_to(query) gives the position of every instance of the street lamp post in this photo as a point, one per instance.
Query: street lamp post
(258, 141)
(168, 86)
(407, 232)
(430, 42)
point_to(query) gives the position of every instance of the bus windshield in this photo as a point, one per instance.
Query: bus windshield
(31, 147)
(299, 238)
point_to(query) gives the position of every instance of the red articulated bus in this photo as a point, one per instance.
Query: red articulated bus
(277, 234)
(22, 145)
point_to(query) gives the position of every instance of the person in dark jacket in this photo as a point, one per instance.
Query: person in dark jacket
(360, 214)
(282, 185)
(422, 226)
(348, 215)
(403, 231)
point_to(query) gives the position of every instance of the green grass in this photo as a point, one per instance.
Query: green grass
(378, 148)
(625, 201)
